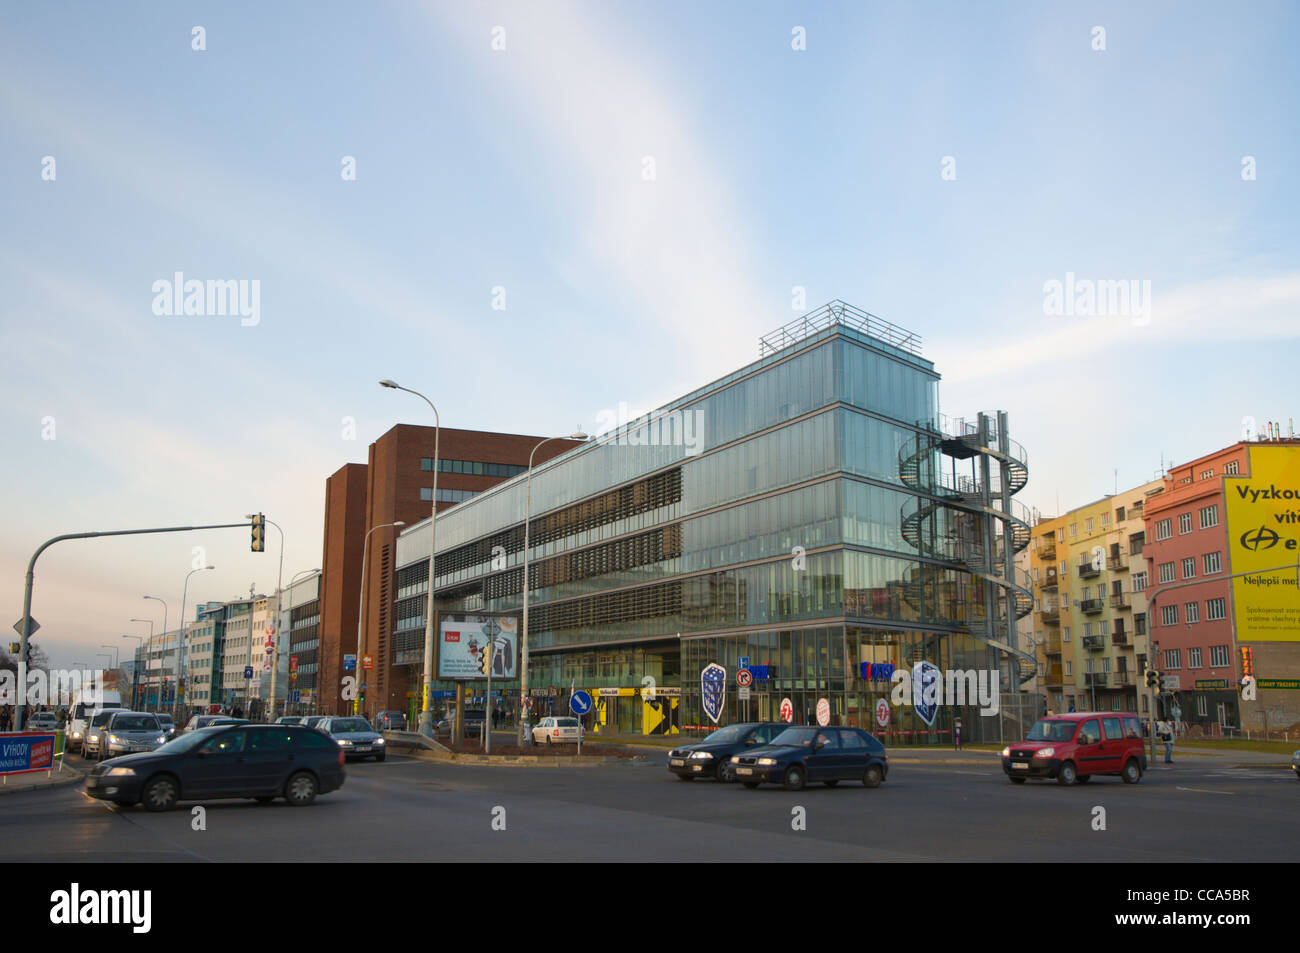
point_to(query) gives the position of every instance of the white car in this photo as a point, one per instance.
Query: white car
(557, 731)
(43, 721)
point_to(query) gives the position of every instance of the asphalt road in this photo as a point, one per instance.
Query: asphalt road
(407, 810)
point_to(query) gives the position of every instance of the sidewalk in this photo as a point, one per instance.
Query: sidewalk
(37, 780)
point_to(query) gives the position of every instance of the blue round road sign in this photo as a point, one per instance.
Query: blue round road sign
(580, 703)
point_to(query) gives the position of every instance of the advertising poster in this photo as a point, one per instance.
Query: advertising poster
(463, 639)
(1263, 528)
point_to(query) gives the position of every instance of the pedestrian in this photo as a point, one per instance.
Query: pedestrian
(1165, 735)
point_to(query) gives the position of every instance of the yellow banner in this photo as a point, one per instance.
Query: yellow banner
(1263, 527)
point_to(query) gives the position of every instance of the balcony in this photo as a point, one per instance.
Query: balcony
(1053, 643)
(1120, 600)
(1119, 637)
(1092, 606)
(1049, 580)
(1121, 679)
(1095, 679)
(1047, 548)
(1052, 675)
(1087, 570)
(1051, 612)
(1094, 643)
(1117, 562)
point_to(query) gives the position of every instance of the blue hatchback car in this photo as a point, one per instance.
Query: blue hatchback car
(806, 753)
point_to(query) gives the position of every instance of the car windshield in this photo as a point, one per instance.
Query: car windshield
(724, 736)
(102, 718)
(799, 737)
(135, 723)
(164, 719)
(1051, 730)
(182, 743)
(345, 725)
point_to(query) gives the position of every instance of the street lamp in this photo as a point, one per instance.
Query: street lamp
(135, 672)
(526, 736)
(361, 640)
(292, 580)
(181, 680)
(148, 663)
(275, 645)
(426, 715)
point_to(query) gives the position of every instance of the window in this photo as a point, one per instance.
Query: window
(1166, 572)
(1194, 658)
(1065, 637)
(1189, 568)
(1087, 630)
(1088, 524)
(1164, 529)
(1119, 514)
(1184, 524)
(1069, 668)
(1074, 530)
(1212, 563)
(1206, 474)
(1140, 623)
(1169, 615)
(1105, 518)
(1218, 656)
(1231, 468)
(1173, 658)
(445, 495)
(1114, 729)
(1210, 516)
(1202, 705)
(1139, 582)
(1215, 609)
(1193, 612)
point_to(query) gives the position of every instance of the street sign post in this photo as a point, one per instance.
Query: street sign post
(492, 629)
(580, 703)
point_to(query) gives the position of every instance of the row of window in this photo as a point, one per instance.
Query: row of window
(445, 495)
(1211, 563)
(1209, 518)
(1215, 610)
(472, 467)
(1218, 658)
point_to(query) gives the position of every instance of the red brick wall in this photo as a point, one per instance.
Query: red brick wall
(345, 521)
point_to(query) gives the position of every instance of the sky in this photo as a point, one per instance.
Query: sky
(536, 212)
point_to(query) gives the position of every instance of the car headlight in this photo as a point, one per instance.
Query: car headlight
(113, 740)
(161, 739)
(119, 772)
(1044, 752)
(379, 741)
(701, 756)
(345, 743)
(767, 760)
(76, 734)
(735, 759)
(1006, 752)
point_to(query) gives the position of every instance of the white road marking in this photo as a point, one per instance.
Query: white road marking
(1206, 791)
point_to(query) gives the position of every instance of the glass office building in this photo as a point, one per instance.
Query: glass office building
(810, 514)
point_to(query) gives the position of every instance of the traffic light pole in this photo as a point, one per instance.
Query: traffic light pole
(26, 621)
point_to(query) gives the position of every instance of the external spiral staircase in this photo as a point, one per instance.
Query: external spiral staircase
(934, 525)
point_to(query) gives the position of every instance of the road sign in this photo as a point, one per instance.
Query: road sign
(744, 662)
(742, 693)
(349, 663)
(882, 713)
(368, 661)
(713, 690)
(33, 625)
(823, 712)
(787, 710)
(580, 703)
(248, 671)
(743, 678)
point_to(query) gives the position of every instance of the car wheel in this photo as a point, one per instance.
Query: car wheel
(872, 777)
(1084, 778)
(161, 794)
(1067, 774)
(548, 739)
(264, 800)
(1132, 772)
(750, 784)
(831, 784)
(1015, 780)
(300, 790)
(721, 775)
(381, 757)
(794, 778)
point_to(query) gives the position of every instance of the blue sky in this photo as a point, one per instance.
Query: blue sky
(522, 169)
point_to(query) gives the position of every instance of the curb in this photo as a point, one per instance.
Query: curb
(514, 760)
(77, 776)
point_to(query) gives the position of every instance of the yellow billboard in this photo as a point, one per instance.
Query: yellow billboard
(1263, 524)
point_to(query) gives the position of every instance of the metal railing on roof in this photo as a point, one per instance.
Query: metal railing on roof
(839, 312)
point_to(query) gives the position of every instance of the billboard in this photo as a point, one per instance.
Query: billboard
(1263, 525)
(462, 639)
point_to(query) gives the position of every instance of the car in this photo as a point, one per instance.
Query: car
(1295, 764)
(556, 730)
(289, 720)
(92, 743)
(711, 756)
(355, 736)
(206, 721)
(391, 721)
(42, 721)
(804, 753)
(262, 762)
(79, 724)
(168, 726)
(473, 722)
(313, 721)
(129, 732)
(1075, 746)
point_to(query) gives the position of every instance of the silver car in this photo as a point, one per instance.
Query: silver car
(131, 732)
(355, 736)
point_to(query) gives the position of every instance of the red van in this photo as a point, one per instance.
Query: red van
(1076, 746)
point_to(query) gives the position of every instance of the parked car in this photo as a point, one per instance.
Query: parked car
(42, 721)
(79, 724)
(808, 753)
(92, 743)
(207, 721)
(313, 721)
(1295, 764)
(391, 721)
(168, 726)
(262, 762)
(1075, 746)
(711, 756)
(473, 722)
(355, 736)
(289, 720)
(129, 732)
(556, 730)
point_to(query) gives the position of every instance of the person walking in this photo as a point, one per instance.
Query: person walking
(1165, 735)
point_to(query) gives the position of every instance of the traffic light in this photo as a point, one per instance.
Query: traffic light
(1153, 678)
(485, 659)
(27, 655)
(1160, 680)
(259, 533)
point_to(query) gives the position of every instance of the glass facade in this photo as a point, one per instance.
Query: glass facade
(792, 512)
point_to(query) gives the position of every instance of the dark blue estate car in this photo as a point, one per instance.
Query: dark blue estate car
(808, 753)
(711, 756)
